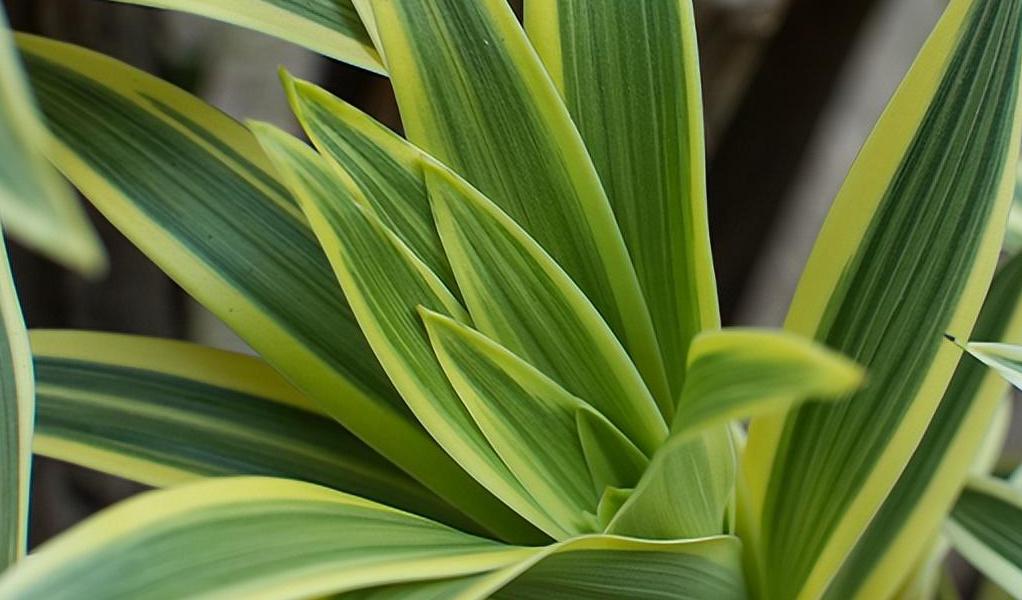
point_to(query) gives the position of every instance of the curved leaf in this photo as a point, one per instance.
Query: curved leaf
(330, 27)
(247, 537)
(905, 256)
(986, 528)
(521, 299)
(194, 191)
(645, 136)
(164, 412)
(37, 206)
(384, 283)
(473, 94)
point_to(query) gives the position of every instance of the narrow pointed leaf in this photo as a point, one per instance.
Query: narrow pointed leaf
(17, 412)
(1005, 359)
(330, 27)
(645, 135)
(611, 462)
(528, 419)
(519, 297)
(248, 537)
(384, 283)
(473, 94)
(899, 534)
(615, 568)
(905, 256)
(739, 373)
(164, 412)
(193, 190)
(37, 206)
(986, 528)
(381, 169)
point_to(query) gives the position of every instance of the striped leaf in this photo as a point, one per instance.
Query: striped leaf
(532, 424)
(986, 528)
(906, 255)
(163, 412)
(899, 534)
(739, 373)
(17, 410)
(615, 568)
(473, 94)
(518, 296)
(379, 167)
(385, 283)
(1013, 236)
(645, 136)
(37, 205)
(194, 191)
(330, 27)
(1005, 359)
(248, 537)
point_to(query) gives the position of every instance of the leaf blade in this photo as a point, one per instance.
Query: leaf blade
(986, 528)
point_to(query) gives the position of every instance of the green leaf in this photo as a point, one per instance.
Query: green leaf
(38, 207)
(164, 412)
(17, 411)
(473, 94)
(615, 568)
(330, 27)
(905, 256)
(986, 528)
(899, 535)
(384, 283)
(194, 191)
(248, 537)
(519, 297)
(531, 422)
(1005, 359)
(645, 136)
(381, 170)
(739, 373)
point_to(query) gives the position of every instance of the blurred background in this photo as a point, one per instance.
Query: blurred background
(791, 90)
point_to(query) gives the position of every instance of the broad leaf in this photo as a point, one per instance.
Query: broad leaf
(381, 169)
(37, 206)
(518, 296)
(163, 412)
(645, 135)
(905, 256)
(532, 424)
(17, 411)
(248, 537)
(193, 190)
(384, 283)
(986, 528)
(330, 27)
(899, 535)
(473, 94)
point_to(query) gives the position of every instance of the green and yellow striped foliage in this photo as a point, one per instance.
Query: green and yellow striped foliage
(489, 359)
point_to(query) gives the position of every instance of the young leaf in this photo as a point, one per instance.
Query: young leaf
(519, 297)
(17, 415)
(382, 170)
(248, 537)
(384, 283)
(194, 191)
(906, 255)
(164, 412)
(645, 135)
(330, 27)
(986, 528)
(531, 422)
(900, 533)
(38, 207)
(473, 94)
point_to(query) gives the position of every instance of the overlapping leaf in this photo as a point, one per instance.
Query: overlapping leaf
(473, 94)
(645, 136)
(163, 412)
(986, 528)
(329, 27)
(249, 537)
(385, 282)
(905, 257)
